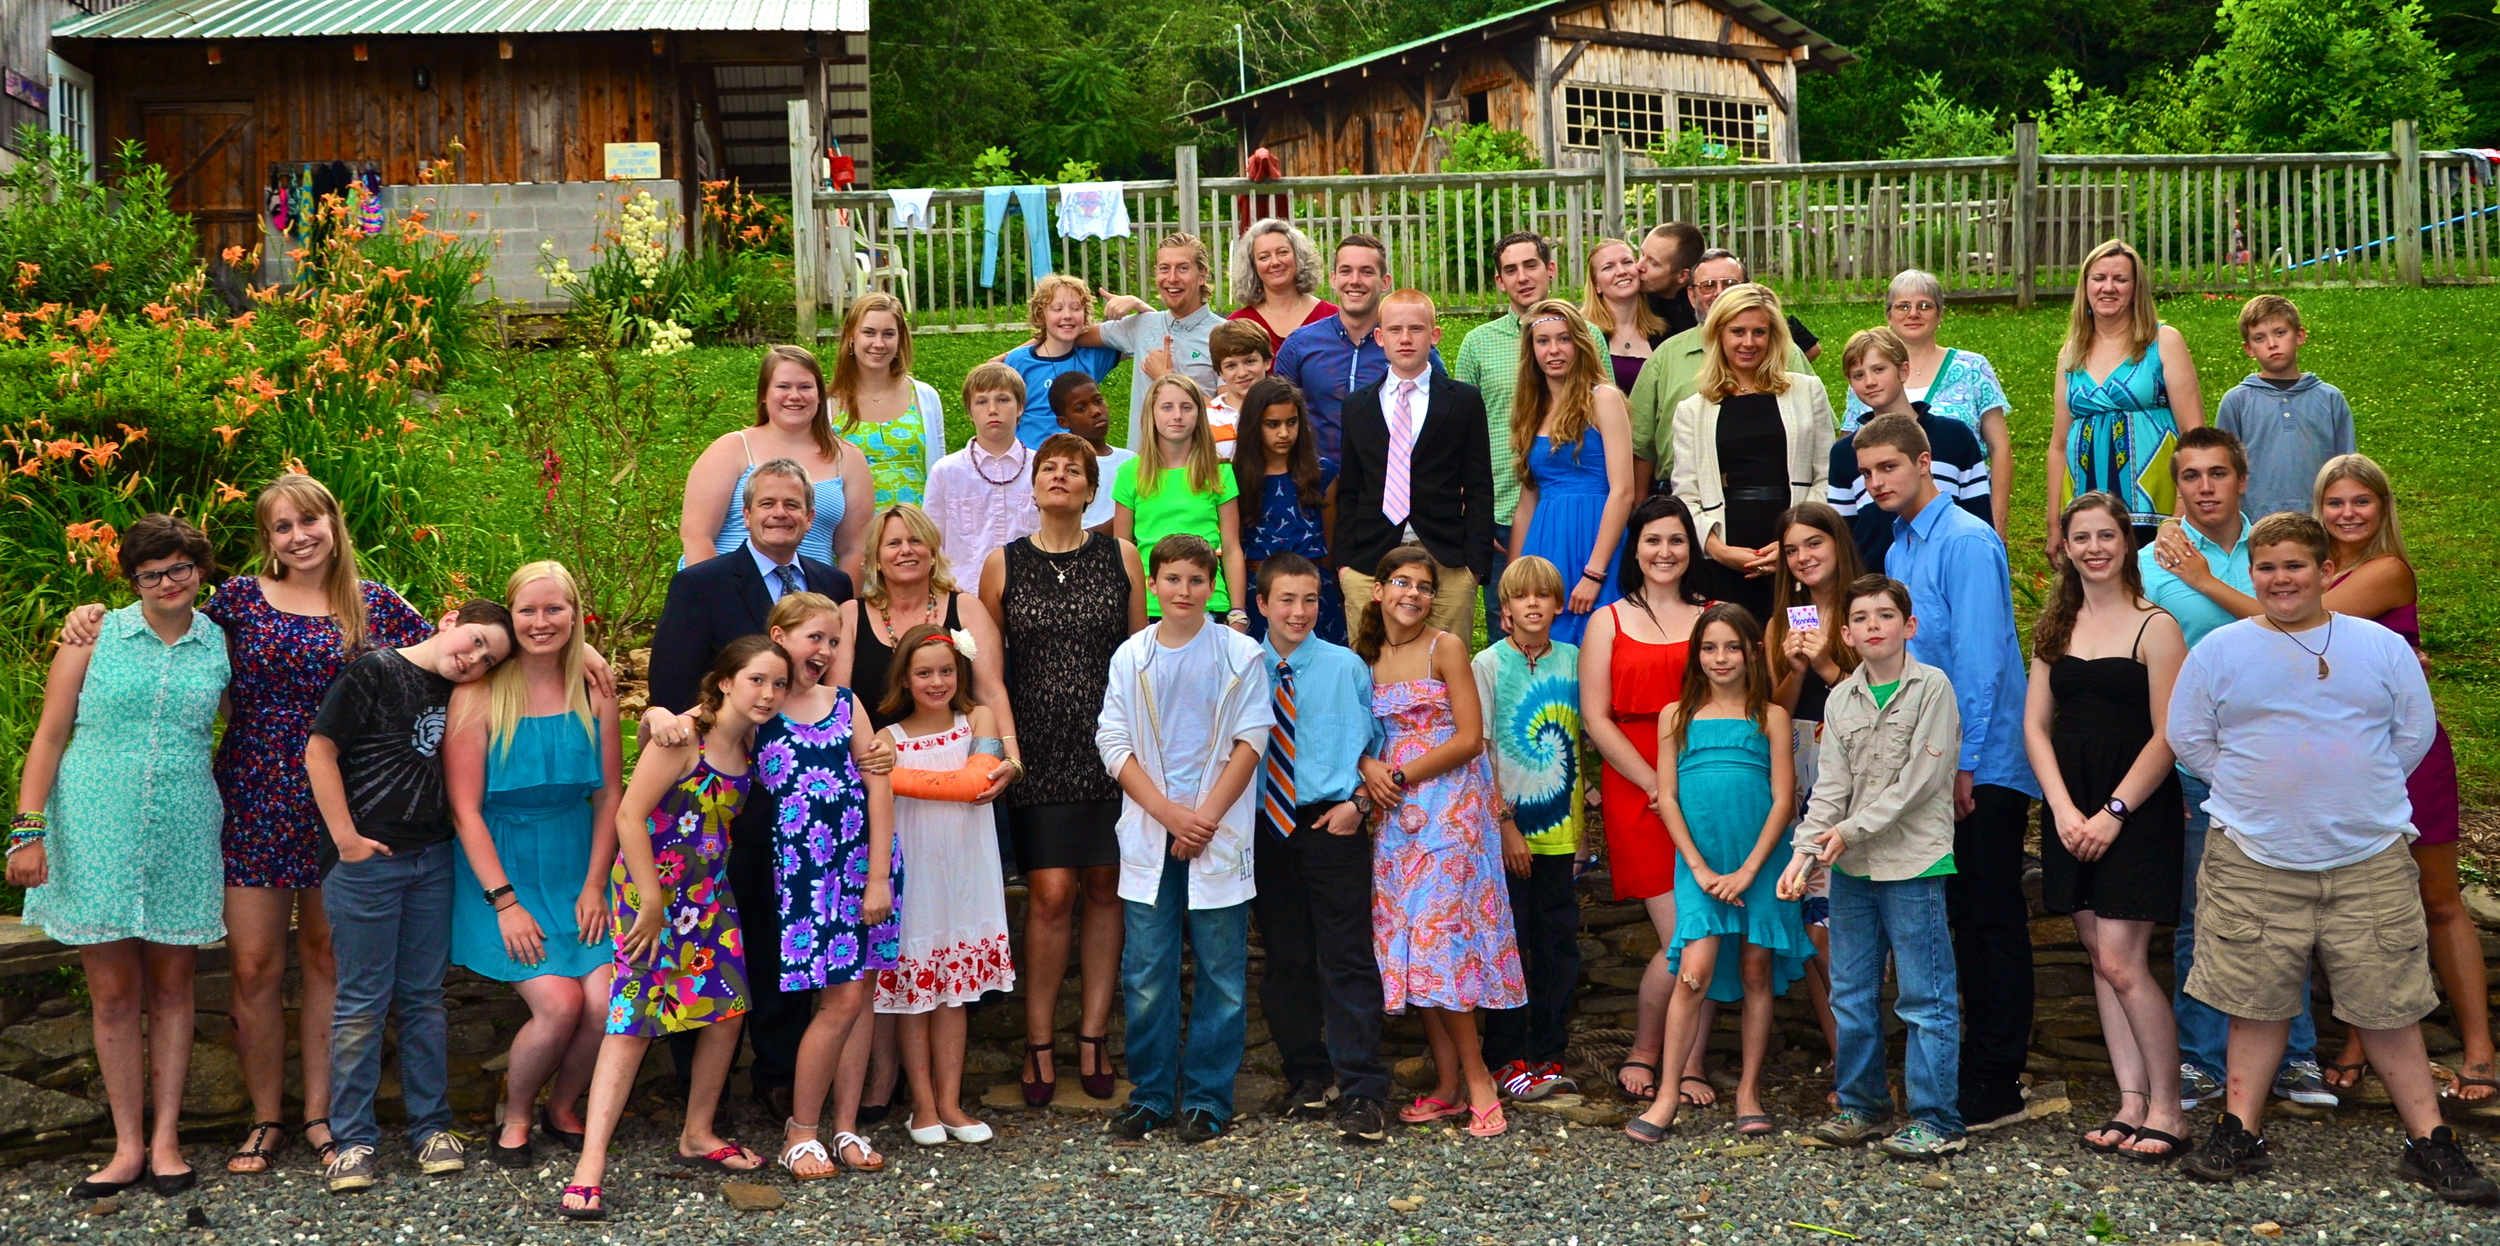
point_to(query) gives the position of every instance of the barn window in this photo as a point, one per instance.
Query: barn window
(1741, 125)
(1591, 112)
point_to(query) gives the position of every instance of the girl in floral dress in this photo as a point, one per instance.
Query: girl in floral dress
(837, 872)
(955, 930)
(680, 965)
(1440, 911)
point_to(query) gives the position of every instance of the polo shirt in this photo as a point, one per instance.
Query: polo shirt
(2197, 614)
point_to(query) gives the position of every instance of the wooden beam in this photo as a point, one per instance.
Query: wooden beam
(1569, 61)
(1671, 43)
(1520, 55)
(1765, 79)
(1418, 92)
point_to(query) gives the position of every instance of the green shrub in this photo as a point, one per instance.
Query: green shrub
(1484, 149)
(1941, 127)
(72, 241)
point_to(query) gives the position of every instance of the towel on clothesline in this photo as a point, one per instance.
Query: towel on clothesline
(1093, 210)
(911, 209)
(2479, 162)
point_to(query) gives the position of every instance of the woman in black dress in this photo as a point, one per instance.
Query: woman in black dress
(1752, 441)
(2103, 662)
(1066, 598)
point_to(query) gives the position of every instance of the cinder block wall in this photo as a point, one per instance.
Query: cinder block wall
(512, 218)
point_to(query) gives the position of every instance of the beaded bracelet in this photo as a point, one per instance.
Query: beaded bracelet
(33, 821)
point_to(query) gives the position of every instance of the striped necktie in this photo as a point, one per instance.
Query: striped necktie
(1277, 788)
(1395, 502)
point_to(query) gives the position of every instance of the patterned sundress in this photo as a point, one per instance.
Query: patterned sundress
(1286, 524)
(955, 947)
(1441, 923)
(820, 853)
(2120, 436)
(699, 975)
(282, 665)
(898, 451)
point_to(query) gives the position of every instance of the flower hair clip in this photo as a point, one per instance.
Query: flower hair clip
(963, 643)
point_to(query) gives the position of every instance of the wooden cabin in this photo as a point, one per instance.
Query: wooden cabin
(36, 88)
(527, 100)
(1565, 73)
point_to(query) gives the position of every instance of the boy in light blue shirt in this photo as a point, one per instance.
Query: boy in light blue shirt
(2290, 421)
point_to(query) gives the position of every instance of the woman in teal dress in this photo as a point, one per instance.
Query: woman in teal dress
(532, 764)
(115, 837)
(894, 419)
(2115, 433)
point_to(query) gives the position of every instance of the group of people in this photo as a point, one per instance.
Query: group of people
(1225, 675)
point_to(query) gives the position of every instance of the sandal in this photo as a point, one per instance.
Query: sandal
(1643, 1132)
(2349, 1073)
(1099, 1085)
(845, 1141)
(1426, 1109)
(1690, 1101)
(806, 1149)
(1756, 1126)
(718, 1159)
(328, 1148)
(590, 1208)
(1487, 1122)
(1628, 1092)
(254, 1149)
(2126, 1133)
(2174, 1143)
(1038, 1092)
(2449, 1091)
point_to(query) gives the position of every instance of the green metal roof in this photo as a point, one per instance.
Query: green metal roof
(1822, 53)
(273, 19)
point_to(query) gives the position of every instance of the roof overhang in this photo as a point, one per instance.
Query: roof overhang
(283, 19)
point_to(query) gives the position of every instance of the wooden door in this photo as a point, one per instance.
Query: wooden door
(209, 149)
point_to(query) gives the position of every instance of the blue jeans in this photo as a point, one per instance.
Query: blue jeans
(390, 927)
(2204, 1032)
(1907, 919)
(1150, 982)
(1493, 584)
(1034, 202)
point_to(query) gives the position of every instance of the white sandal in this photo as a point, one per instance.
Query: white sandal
(807, 1149)
(845, 1140)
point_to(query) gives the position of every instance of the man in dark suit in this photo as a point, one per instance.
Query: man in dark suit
(1418, 467)
(710, 604)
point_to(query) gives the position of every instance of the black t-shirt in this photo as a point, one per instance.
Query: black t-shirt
(1676, 310)
(386, 715)
(1801, 335)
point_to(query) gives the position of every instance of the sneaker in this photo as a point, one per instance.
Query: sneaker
(351, 1169)
(1528, 1083)
(1362, 1120)
(1310, 1099)
(1982, 1113)
(1200, 1125)
(1133, 1123)
(2229, 1151)
(1847, 1128)
(2302, 1083)
(1920, 1140)
(440, 1154)
(2438, 1162)
(2198, 1087)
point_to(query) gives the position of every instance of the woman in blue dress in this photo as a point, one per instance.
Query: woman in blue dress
(115, 837)
(1288, 496)
(792, 421)
(2126, 390)
(1573, 496)
(532, 765)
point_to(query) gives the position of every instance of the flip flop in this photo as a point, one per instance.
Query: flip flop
(1756, 1126)
(718, 1160)
(1643, 1132)
(1427, 1109)
(589, 1194)
(2449, 1092)
(1487, 1122)
(1630, 1093)
(2175, 1144)
(2328, 1074)
(843, 1141)
(1690, 1101)
(2127, 1133)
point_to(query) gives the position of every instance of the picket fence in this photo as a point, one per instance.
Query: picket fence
(2012, 228)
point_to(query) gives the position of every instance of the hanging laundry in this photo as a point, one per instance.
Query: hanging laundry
(911, 209)
(2478, 163)
(1030, 200)
(1093, 210)
(371, 181)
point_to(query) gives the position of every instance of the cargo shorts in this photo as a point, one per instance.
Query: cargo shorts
(2258, 927)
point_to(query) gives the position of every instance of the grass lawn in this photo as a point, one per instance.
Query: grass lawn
(2418, 366)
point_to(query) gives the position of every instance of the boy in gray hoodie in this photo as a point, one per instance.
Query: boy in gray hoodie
(2291, 421)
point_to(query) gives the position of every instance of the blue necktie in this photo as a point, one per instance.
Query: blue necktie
(789, 577)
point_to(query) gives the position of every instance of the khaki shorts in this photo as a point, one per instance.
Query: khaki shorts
(1453, 599)
(2257, 928)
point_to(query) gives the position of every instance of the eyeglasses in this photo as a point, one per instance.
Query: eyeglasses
(1923, 305)
(1724, 283)
(179, 573)
(1408, 584)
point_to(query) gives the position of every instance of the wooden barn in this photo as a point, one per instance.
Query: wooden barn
(536, 104)
(1565, 73)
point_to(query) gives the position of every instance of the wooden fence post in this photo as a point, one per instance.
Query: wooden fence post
(2026, 213)
(2408, 142)
(803, 223)
(1610, 209)
(1185, 185)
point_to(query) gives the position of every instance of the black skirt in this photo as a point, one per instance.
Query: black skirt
(1066, 835)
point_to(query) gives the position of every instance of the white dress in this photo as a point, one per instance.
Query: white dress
(954, 930)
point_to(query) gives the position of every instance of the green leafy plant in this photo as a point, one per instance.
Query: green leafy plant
(1941, 127)
(1483, 149)
(1691, 147)
(68, 240)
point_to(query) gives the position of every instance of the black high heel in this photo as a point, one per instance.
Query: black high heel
(1099, 1085)
(1039, 1092)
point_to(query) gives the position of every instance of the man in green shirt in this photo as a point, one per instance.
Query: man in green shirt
(1674, 370)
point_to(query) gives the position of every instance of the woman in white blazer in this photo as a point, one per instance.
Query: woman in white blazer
(1751, 442)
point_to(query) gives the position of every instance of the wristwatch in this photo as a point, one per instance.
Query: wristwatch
(1398, 776)
(2116, 808)
(496, 893)
(1363, 804)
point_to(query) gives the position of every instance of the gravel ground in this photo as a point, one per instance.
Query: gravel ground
(1053, 1178)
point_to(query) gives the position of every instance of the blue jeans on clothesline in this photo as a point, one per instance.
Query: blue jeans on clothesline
(1034, 201)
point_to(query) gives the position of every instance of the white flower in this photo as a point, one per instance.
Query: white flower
(964, 645)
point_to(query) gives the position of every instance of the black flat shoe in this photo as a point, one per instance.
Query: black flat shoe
(91, 1188)
(169, 1184)
(572, 1139)
(871, 1113)
(522, 1156)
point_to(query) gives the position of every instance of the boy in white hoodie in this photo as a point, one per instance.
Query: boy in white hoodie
(1184, 720)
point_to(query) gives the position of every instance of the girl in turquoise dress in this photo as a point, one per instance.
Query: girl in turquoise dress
(680, 961)
(1571, 443)
(115, 837)
(894, 419)
(1726, 804)
(2115, 433)
(533, 764)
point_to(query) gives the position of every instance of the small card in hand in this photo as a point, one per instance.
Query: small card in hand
(1801, 618)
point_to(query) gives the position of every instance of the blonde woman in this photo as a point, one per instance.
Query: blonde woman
(2125, 392)
(893, 418)
(1275, 270)
(1618, 310)
(533, 765)
(791, 422)
(1177, 484)
(1571, 445)
(1752, 441)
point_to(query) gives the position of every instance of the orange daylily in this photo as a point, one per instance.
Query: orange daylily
(85, 320)
(104, 267)
(232, 255)
(61, 449)
(226, 431)
(393, 274)
(101, 455)
(227, 493)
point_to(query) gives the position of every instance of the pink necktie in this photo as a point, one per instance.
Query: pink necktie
(1393, 494)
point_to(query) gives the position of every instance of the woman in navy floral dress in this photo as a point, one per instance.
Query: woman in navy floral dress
(1288, 493)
